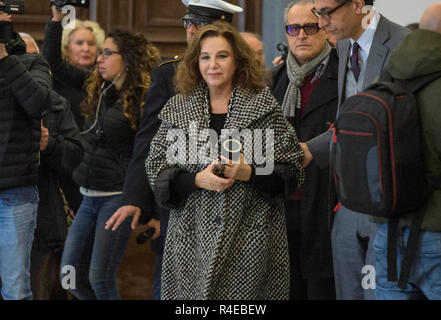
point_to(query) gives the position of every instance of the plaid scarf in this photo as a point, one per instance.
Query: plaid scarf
(296, 76)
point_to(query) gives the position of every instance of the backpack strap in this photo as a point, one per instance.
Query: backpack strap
(418, 83)
(385, 76)
(333, 188)
(411, 248)
(392, 237)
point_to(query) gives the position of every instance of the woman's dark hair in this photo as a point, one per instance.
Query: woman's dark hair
(140, 57)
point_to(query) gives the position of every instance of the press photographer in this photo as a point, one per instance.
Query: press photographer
(59, 4)
(25, 84)
(8, 8)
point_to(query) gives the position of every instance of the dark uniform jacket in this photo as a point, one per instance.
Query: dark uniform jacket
(137, 191)
(25, 84)
(314, 226)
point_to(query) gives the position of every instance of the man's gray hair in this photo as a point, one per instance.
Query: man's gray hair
(27, 35)
(292, 4)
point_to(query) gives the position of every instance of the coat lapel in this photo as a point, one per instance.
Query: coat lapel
(343, 54)
(378, 53)
(249, 107)
(183, 109)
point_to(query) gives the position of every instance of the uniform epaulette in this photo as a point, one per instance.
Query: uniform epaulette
(175, 59)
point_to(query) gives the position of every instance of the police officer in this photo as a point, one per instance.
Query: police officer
(138, 196)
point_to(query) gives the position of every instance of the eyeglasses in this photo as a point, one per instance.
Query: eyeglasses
(107, 52)
(188, 23)
(309, 28)
(326, 14)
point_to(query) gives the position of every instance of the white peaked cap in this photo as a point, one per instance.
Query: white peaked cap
(214, 4)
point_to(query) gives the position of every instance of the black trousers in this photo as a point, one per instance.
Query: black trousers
(303, 288)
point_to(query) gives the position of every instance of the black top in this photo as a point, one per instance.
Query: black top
(25, 84)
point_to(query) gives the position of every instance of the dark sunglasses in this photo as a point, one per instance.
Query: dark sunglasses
(188, 23)
(309, 28)
(107, 52)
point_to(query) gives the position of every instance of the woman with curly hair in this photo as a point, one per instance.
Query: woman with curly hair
(226, 237)
(79, 42)
(116, 90)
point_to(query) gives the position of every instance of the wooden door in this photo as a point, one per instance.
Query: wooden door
(158, 20)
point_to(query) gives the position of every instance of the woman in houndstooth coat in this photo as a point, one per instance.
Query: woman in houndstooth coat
(226, 237)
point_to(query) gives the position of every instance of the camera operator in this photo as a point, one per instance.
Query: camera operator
(25, 84)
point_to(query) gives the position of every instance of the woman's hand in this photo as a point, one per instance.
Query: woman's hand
(122, 214)
(3, 52)
(237, 171)
(57, 15)
(206, 179)
(44, 140)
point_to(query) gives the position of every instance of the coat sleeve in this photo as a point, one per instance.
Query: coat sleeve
(320, 147)
(65, 149)
(137, 191)
(286, 160)
(76, 77)
(31, 88)
(160, 173)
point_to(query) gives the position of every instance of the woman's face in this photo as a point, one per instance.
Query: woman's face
(82, 48)
(217, 63)
(110, 61)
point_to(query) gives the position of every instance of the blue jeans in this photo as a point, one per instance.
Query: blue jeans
(18, 218)
(94, 253)
(425, 275)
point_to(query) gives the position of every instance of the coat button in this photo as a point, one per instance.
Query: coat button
(218, 220)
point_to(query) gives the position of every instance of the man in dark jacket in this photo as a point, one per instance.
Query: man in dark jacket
(419, 55)
(138, 196)
(25, 84)
(306, 88)
(61, 152)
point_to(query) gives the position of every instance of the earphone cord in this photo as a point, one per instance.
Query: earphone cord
(99, 105)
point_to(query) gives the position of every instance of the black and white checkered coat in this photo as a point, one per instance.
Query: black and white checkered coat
(233, 244)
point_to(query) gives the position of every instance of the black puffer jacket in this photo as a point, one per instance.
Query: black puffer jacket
(109, 147)
(25, 84)
(62, 155)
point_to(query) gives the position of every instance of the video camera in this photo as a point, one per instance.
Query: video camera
(6, 29)
(59, 4)
(12, 7)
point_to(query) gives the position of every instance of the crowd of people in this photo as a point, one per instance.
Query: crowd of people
(229, 163)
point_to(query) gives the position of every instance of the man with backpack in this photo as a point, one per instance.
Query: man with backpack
(365, 42)
(418, 57)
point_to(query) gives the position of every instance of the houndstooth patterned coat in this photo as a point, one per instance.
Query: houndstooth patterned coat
(233, 244)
